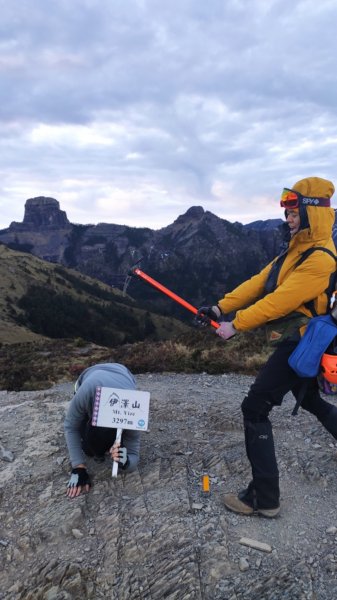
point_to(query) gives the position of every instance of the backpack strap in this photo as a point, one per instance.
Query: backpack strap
(307, 253)
(311, 304)
(271, 283)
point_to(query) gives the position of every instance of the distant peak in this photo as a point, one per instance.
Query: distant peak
(195, 212)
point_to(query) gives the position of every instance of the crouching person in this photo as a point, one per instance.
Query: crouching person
(84, 439)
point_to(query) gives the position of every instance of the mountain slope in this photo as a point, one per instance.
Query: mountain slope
(39, 299)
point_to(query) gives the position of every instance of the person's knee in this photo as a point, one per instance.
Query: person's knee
(255, 411)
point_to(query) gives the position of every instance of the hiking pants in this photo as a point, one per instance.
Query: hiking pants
(273, 382)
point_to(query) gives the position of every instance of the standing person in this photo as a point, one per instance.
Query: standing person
(284, 296)
(84, 439)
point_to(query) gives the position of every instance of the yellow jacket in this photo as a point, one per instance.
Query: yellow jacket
(295, 286)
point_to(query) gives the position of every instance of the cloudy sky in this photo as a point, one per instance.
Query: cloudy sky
(132, 111)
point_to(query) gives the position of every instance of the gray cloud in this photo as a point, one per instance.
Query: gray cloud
(132, 112)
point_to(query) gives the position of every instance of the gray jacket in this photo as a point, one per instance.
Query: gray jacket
(81, 407)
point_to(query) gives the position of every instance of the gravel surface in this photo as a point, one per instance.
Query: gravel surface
(153, 534)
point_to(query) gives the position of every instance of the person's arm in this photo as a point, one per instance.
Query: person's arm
(249, 291)
(78, 411)
(305, 283)
(246, 293)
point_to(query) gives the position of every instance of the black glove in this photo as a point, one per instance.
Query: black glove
(79, 478)
(123, 460)
(206, 314)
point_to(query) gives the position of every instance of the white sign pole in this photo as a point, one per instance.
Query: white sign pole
(115, 464)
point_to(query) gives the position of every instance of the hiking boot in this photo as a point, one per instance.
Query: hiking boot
(233, 503)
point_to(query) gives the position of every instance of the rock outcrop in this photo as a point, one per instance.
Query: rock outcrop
(44, 230)
(41, 213)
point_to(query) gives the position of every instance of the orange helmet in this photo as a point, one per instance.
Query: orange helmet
(329, 367)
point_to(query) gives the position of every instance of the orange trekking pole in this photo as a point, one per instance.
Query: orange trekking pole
(137, 272)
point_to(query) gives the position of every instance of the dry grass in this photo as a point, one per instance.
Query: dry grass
(39, 364)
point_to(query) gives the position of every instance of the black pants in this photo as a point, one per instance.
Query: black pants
(275, 379)
(96, 441)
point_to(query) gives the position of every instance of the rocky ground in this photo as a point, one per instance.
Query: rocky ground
(153, 534)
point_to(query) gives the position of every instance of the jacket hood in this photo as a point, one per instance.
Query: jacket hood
(320, 219)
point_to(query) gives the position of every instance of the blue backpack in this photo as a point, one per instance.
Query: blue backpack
(305, 360)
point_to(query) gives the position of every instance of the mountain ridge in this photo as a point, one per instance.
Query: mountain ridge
(199, 255)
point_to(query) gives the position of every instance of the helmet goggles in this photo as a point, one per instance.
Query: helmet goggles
(291, 200)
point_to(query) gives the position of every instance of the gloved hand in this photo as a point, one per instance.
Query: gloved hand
(78, 482)
(226, 330)
(119, 455)
(207, 313)
(122, 456)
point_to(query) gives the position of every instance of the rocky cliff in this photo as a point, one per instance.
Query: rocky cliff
(44, 231)
(42, 213)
